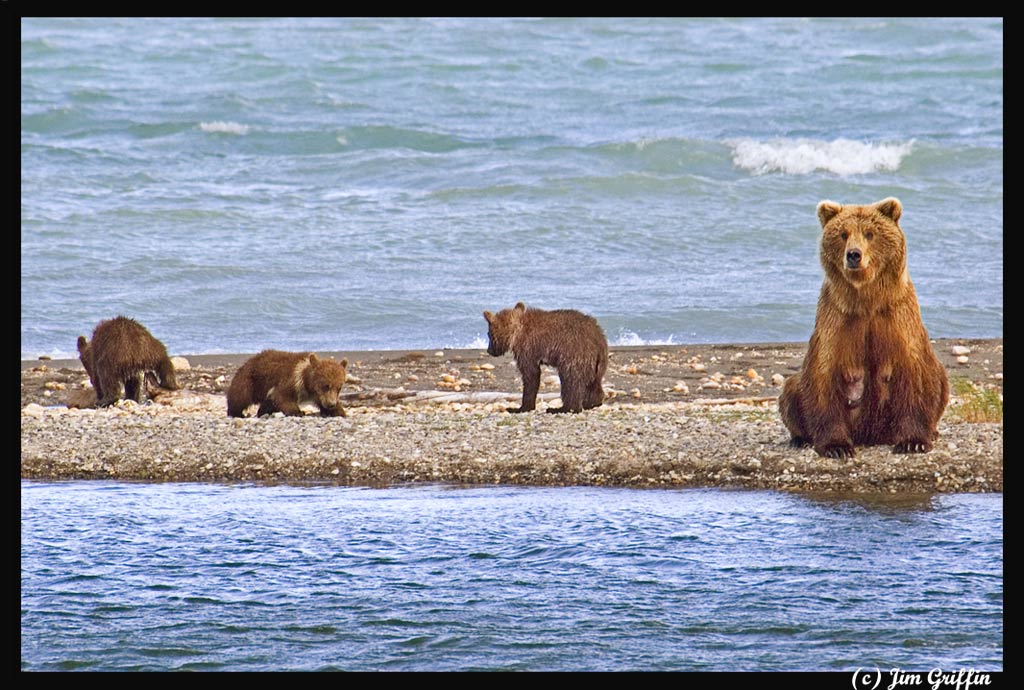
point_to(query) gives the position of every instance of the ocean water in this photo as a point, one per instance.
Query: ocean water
(336, 184)
(119, 576)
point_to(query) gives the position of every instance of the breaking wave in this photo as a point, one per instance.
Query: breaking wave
(803, 156)
(224, 127)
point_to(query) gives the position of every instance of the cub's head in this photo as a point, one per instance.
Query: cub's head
(323, 379)
(502, 329)
(85, 354)
(861, 243)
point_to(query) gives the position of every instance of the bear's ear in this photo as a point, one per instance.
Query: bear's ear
(827, 210)
(520, 306)
(82, 343)
(344, 362)
(890, 207)
(488, 315)
(313, 359)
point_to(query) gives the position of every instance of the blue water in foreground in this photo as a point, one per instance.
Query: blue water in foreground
(189, 576)
(337, 184)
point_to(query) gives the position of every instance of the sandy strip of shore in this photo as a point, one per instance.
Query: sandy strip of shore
(647, 435)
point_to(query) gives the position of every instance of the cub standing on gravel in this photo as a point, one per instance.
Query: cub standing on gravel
(120, 355)
(565, 339)
(282, 381)
(870, 375)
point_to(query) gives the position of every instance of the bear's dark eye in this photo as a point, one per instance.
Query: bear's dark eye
(870, 235)
(845, 235)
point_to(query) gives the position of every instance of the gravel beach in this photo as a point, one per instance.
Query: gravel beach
(677, 415)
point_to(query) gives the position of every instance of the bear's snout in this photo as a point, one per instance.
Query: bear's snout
(853, 257)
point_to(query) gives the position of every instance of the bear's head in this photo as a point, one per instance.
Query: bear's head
(85, 354)
(323, 379)
(502, 329)
(860, 244)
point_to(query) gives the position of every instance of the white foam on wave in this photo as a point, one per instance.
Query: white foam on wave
(624, 338)
(803, 156)
(32, 355)
(477, 343)
(224, 127)
(629, 338)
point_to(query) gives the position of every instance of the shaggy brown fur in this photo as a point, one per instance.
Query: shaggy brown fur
(120, 355)
(565, 339)
(870, 375)
(282, 381)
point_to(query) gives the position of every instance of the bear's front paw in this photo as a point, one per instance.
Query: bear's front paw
(913, 446)
(799, 442)
(517, 410)
(336, 411)
(836, 450)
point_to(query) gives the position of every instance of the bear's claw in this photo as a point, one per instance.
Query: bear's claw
(912, 447)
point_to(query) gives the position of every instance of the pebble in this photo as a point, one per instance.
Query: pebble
(487, 367)
(751, 373)
(963, 359)
(960, 350)
(180, 364)
(697, 366)
(439, 353)
(33, 410)
(778, 380)
(681, 387)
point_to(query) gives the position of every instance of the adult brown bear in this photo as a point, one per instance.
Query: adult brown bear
(870, 375)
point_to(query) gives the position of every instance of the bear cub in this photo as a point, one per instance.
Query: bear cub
(119, 357)
(566, 339)
(870, 375)
(282, 381)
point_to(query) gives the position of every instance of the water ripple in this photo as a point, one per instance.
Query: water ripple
(494, 577)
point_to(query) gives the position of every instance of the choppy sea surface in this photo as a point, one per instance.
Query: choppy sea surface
(333, 184)
(122, 576)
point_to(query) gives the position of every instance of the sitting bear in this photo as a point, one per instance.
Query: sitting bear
(282, 381)
(121, 354)
(870, 375)
(566, 339)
